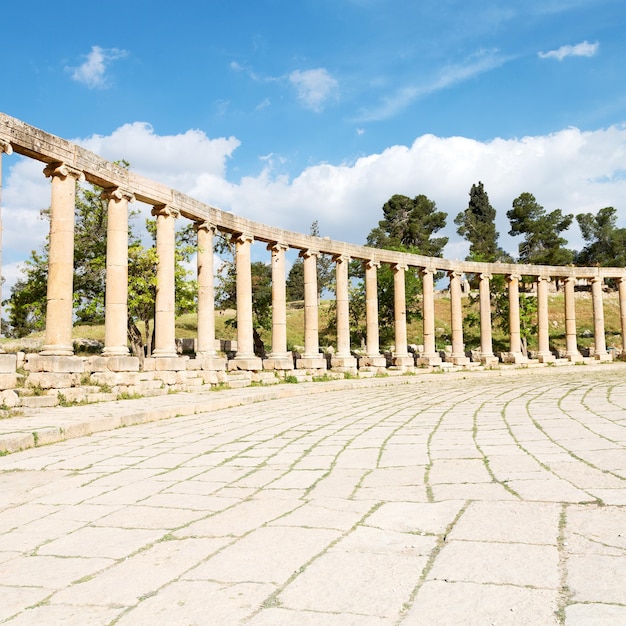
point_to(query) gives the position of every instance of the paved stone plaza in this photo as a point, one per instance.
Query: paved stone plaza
(479, 498)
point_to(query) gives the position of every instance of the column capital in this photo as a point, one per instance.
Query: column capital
(399, 267)
(305, 254)
(277, 246)
(241, 238)
(543, 278)
(596, 279)
(369, 264)
(341, 258)
(455, 274)
(165, 210)
(206, 226)
(485, 276)
(427, 270)
(570, 279)
(117, 193)
(511, 277)
(5, 146)
(62, 170)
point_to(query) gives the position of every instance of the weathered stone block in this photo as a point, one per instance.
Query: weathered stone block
(171, 364)
(9, 398)
(8, 381)
(249, 365)
(278, 363)
(51, 380)
(8, 363)
(61, 364)
(113, 364)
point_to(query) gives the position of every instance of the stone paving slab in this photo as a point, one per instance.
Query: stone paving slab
(477, 498)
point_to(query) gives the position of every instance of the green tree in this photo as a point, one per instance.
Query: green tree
(606, 244)
(477, 224)
(409, 224)
(26, 305)
(543, 243)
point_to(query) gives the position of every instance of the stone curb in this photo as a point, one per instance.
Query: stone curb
(46, 426)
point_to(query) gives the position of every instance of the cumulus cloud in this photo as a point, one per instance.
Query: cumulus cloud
(179, 161)
(584, 49)
(92, 72)
(314, 87)
(572, 170)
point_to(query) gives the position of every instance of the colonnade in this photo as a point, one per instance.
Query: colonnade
(169, 206)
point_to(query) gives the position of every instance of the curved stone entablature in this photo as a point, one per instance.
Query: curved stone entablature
(56, 367)
(37, 144)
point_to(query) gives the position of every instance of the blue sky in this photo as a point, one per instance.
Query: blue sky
(289, 111)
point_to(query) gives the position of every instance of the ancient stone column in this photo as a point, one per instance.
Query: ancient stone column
(116, 293)
(311, 359)
(543, 321)
(621, 282)
(571, 347)
(486, 342)
(279, 358)
(456, 316)
(205, 346)
(373, 357)
(515, 336)
(342, 358)
(165, 301)
(5, 147)
(601, 353)
(429, 356)
(245, 357)
(401, 357)
(58, 341)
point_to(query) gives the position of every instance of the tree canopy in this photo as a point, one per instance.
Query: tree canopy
(606, 244)
(477, 224)
(409, 224)
(543, 243)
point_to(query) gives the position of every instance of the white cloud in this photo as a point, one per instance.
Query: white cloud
(584, 49)
(314, 87)
(92, 72)
(179, 161)
(572, 170)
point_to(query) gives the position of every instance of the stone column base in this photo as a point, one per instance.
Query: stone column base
(209, 363)
(603, 356)
(429, 359)
(546, 358)
(348, 362)
(458, 360)
(403, 361)
(576, 357)
(489, 359)
(513, 357)
(311, 363)
(248, 364)
(279, 362)
(373, 361)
